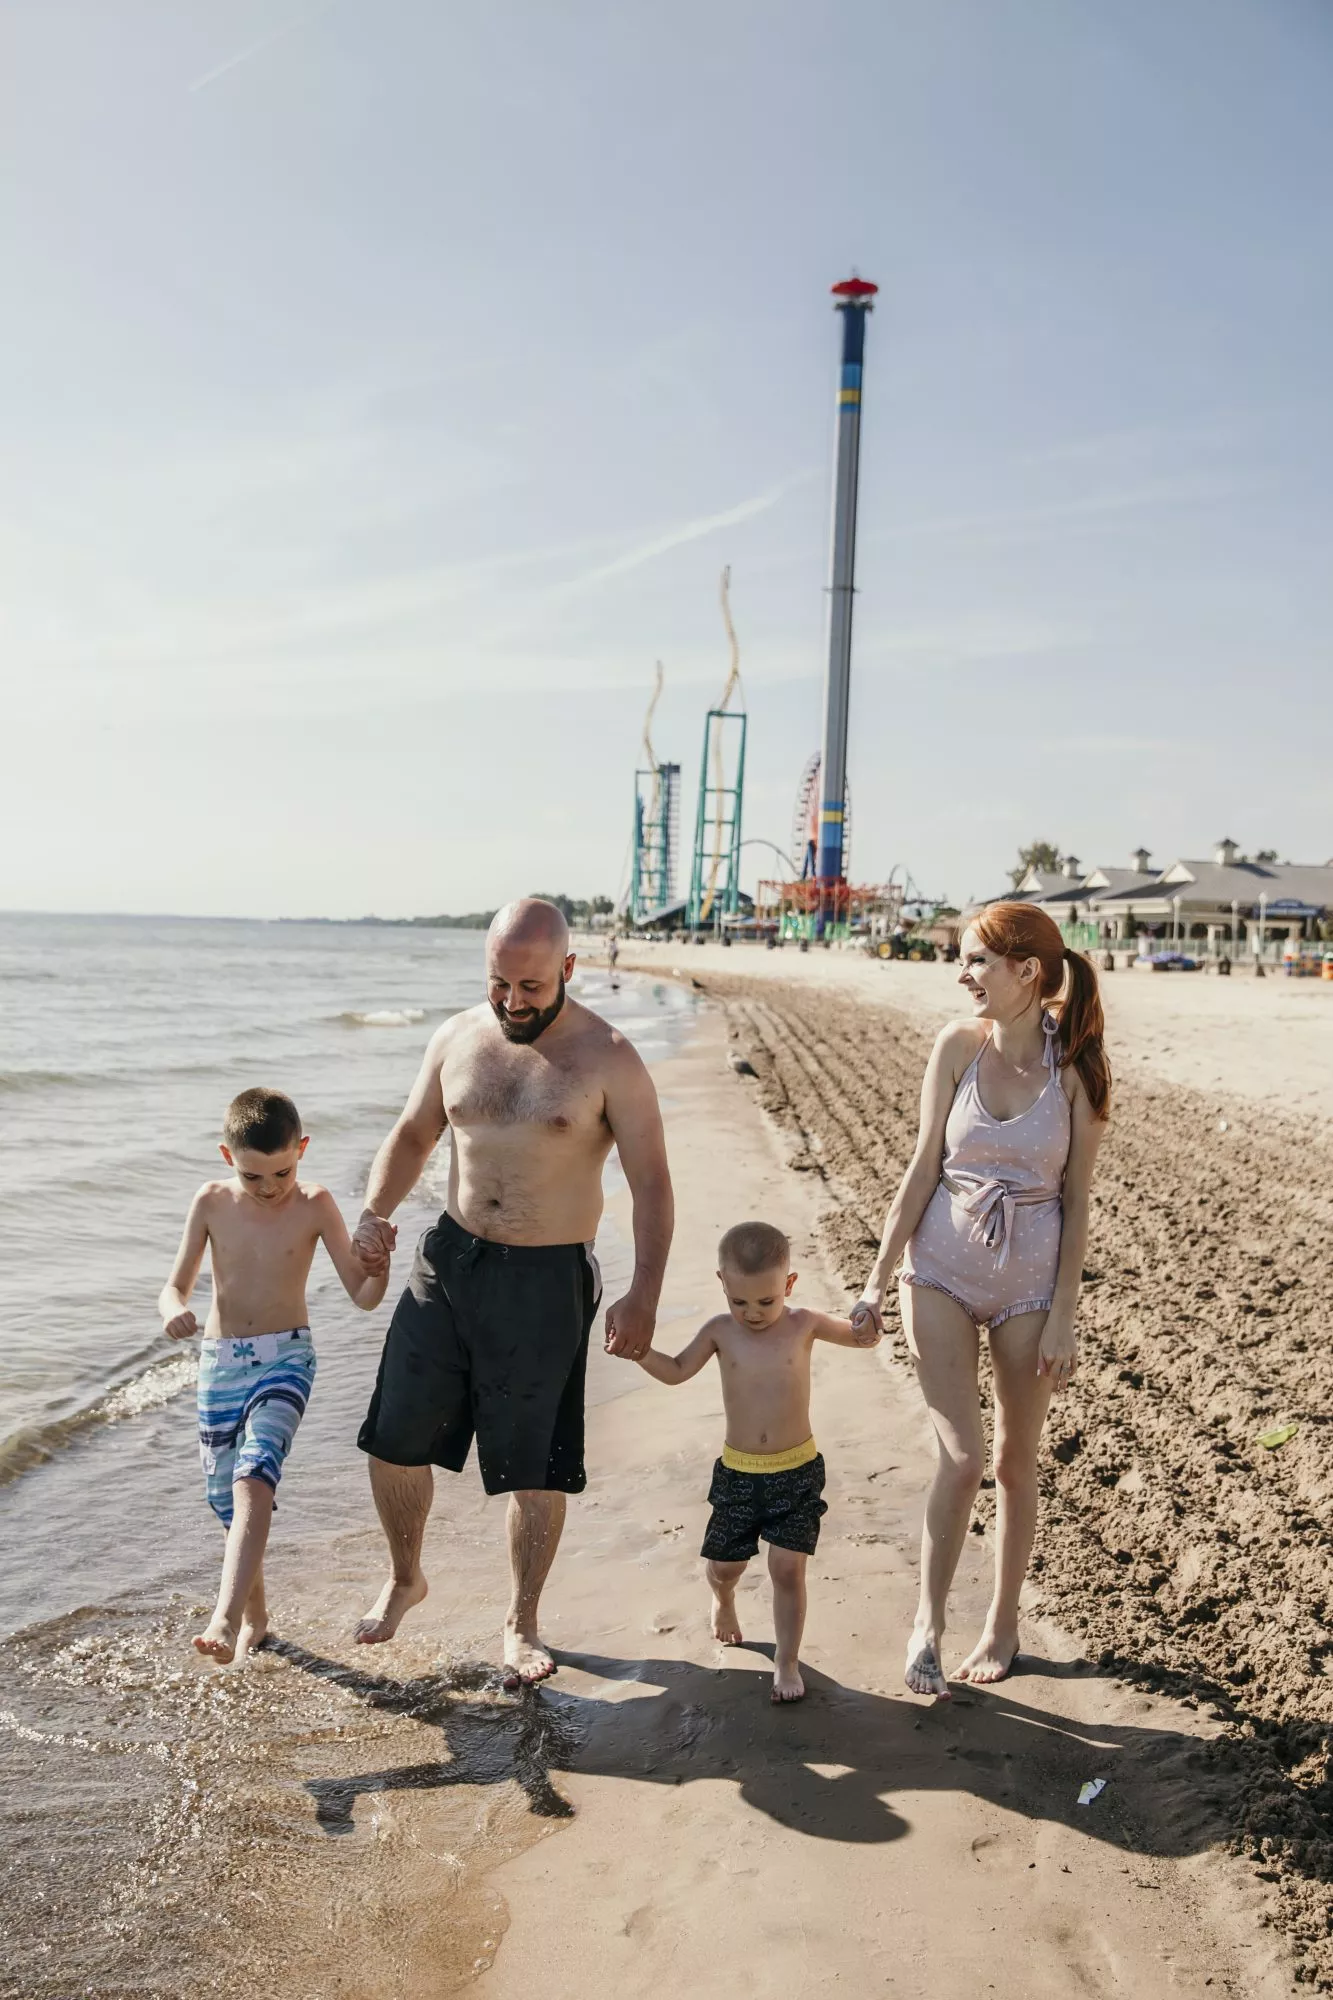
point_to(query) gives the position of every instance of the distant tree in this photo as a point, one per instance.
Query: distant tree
(1266, 854)
(601, 906)
(1041, 854)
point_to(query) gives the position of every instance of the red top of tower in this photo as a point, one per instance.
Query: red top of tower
(855, 288)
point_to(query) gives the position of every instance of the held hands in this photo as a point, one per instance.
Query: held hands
(374, 1241)
(867, 1323)
(183, 1327)
(629, 1328)
(1057, 1353)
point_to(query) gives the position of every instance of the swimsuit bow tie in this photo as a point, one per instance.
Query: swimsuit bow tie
(991, 1206)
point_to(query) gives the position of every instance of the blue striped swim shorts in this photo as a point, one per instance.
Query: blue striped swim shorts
(252, 1395)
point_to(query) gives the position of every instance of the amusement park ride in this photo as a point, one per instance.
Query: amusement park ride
(820, 903)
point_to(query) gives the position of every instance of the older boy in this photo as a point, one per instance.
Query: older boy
(256, 1361)
(768, 1484)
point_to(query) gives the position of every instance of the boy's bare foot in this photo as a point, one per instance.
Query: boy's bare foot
(787, 1683)
(526, 1660)
(388, 1611)
(253, 1634)
(923, 1672)
(990, 1659)
(218, 1641)
(726, 1625)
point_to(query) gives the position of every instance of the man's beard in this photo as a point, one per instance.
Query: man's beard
(530, 1025)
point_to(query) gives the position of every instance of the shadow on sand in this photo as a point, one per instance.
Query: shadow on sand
(828, 1768)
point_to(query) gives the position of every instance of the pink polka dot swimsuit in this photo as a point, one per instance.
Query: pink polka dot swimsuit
(990, 1236)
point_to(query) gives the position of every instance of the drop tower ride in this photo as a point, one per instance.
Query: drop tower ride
(855, 300)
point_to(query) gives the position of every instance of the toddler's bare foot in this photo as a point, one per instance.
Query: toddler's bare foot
(218, 1641)
(526, 1660)
(388, 1611)
(726, 1625)
(991, 1658)
(787, 1683)
(923, 1672)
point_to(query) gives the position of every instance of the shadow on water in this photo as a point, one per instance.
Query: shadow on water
(827, 1768)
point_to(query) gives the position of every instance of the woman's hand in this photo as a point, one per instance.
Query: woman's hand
(866, 1314)
(1057, 1352)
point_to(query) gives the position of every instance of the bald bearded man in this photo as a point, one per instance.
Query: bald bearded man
(490, 1339)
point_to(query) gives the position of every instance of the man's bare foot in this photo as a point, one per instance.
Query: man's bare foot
(526, 1660)
(253, 1634)
(923, 1672)
(990, 1659)
(726, 1625)
(787, 1683)
(387, 1612)
(218, 1641)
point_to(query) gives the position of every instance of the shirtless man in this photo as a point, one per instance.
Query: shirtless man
(491, 1336)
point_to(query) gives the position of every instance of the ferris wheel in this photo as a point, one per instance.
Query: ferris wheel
(805, 821)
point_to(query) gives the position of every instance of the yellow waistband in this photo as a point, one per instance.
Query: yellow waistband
(769, 1461)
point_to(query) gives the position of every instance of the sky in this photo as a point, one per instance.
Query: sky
(384, 384)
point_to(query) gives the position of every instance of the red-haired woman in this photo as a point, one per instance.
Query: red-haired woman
(991, 1223)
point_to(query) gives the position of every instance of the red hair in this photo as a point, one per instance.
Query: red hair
(1020, 930)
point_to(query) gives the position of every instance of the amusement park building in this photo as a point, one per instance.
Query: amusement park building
(1225, 897)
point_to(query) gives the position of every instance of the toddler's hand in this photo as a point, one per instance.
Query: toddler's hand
(183, 1327)
(866, 1323)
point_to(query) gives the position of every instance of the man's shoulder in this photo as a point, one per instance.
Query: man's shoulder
(460, 1028)
(599, 1041)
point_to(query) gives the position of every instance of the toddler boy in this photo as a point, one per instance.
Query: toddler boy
(768, 1484)
(256, 1360)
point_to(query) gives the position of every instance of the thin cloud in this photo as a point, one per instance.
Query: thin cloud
(1093, 507)
(255, 48)
(687, 531)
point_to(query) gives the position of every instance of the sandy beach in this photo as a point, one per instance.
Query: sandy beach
(389, 1825)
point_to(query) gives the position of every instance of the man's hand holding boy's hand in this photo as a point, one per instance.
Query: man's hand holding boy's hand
(374, 1241)
(183, 1327)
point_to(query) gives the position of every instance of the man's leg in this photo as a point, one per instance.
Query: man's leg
(403, 1494)
(536, 1520)
(252, 1510)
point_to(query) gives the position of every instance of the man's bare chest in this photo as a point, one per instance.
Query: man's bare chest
(515, 1087)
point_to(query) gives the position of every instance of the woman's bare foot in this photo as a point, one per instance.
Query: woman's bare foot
(388, 1611)
(217, 1640)
(990, 1659)
(726, 1624)
(787, 1683)
(526, 1660)
(923, 1672)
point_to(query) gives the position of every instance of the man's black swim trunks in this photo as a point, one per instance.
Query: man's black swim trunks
(491, 1340)
(782, 1508)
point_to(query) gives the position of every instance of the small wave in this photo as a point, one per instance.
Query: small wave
(158, 1384)
(37, 1079)
(384, 1017)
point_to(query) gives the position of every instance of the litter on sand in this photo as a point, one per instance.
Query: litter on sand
(1279, 1435)
(1093, 1788)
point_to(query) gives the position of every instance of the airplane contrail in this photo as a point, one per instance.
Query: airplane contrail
(257, 47)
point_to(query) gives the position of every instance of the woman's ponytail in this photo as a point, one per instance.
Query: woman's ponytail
(1082, 1027)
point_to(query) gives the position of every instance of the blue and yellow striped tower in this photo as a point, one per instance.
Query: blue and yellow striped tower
(855, 298)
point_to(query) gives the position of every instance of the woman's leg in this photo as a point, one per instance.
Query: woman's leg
(1021, 1399)
(944, 1341)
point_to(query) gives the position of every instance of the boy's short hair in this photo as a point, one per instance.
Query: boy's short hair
(751, 1247)
(261, 1121)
